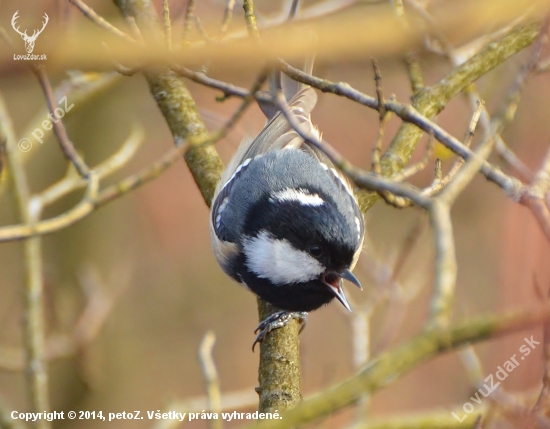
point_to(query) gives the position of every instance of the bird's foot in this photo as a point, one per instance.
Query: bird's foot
(278, 320)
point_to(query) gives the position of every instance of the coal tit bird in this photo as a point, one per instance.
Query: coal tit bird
(284, 222)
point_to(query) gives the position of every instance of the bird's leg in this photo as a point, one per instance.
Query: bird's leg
(278, 320)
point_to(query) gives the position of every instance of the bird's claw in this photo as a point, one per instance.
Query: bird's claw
(278, 320)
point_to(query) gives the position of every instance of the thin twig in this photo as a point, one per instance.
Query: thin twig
(445, 265)
(250, 17)
(414, 72)
(384, 117)
(377, 151)
(131, 21)
(167, 24)
(262, 77)
(479, 422)
(379, 89)
(211, 377)
(535, 196)
(227, 17)
(72, 182)
(66, 145)
(89, 13)
(442, 182)
(420, 165)
(187, 21)
(202, 30)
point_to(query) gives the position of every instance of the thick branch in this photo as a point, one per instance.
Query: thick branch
(279, 371)
(393, 364)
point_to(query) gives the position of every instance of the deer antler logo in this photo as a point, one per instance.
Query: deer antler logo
(29, 40)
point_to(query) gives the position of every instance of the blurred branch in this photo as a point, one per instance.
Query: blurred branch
(187, 20)
(445, 265)
(6, 422)
(250, 18)
(535, 196)
(211, 378)
(82, 88)
(230, 401)
(227, 18)
(72, 182)
(415, 73)
(385, 37)
(543, 399)
(89, 13)
(92, 197)
(34, 323)
(59, 129)
(101, 296)
(391, 365)
(508, 404)
(3, 144)
(167, 24)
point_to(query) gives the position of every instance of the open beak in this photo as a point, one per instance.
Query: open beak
(333, 280)
(351, 278)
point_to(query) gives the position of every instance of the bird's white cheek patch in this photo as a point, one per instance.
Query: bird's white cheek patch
(279, 261)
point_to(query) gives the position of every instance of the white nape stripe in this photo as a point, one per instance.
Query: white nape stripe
(300, 195)
(279, 261)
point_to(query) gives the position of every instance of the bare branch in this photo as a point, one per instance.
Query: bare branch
(211, 377)
(187, 20)
(389, 366)
(89, 13)
(33, 326)
(66, 145)
(167, 24)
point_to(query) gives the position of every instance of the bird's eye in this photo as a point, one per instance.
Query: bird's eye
(315, 250)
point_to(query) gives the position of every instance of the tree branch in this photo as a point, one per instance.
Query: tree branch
(391, 365)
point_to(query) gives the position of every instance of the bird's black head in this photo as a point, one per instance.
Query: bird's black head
(298, 241)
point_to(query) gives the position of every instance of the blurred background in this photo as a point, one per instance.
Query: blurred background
(149, 252)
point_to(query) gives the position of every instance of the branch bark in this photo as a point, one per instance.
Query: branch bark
(393, 364)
